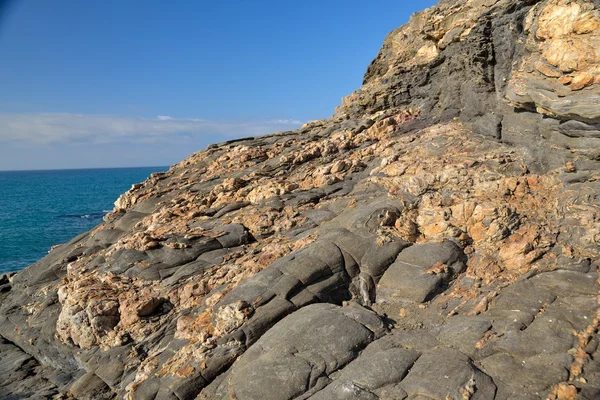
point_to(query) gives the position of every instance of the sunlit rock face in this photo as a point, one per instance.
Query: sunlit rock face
(437, 237)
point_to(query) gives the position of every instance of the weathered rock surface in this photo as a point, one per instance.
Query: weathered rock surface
(437, 238)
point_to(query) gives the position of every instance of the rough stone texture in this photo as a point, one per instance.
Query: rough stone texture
(437, 238)
(299, 353)
(421, 271)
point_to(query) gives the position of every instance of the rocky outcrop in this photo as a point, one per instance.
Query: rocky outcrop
(514, 70)
(437, 238)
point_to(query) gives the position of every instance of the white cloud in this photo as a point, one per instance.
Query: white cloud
(46, 128)
(286, 121)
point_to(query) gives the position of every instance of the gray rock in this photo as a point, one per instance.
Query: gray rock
(378, 258)
(235, 235)
(463, 333)
(175, 257)
(318, 339)
(373, 369)
(126, 221)
(90, 387)
(530, 376)
(407, 279)
(442, 373)
(21, 376)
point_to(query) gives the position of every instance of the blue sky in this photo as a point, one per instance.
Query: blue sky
(127, 83)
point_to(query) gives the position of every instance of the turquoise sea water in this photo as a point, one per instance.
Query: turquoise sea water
(39, 209)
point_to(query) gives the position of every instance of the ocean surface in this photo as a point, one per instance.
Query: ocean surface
(39, 209)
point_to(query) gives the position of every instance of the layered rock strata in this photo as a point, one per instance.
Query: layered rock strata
(437, 238)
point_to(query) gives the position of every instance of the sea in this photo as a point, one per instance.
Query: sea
(40, 209)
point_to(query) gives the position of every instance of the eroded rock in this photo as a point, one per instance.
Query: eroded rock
(436, 238)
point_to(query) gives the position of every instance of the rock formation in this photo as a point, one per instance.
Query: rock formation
(436, 238)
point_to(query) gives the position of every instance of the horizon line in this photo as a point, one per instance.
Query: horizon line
(83, 169)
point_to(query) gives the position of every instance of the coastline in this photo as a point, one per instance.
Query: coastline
(44, 208)
(438, 237)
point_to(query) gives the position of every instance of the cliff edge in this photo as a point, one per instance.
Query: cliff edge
(436, 238)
